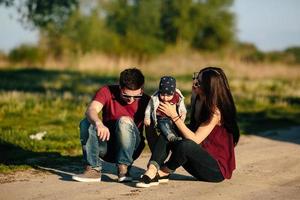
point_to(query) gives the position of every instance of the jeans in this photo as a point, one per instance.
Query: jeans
(166, 127)
(123, 146)
(195, 160)
(160, 151)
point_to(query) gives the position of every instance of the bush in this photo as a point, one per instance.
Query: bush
(28, 54)
(249, 53)
(3, 56)
(295, 51)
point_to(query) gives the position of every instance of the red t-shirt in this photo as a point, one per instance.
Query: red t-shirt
(219, 144)
(115, 107)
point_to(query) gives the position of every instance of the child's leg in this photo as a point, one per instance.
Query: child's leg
(166, 128)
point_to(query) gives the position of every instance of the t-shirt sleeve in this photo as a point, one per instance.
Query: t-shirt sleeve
(102, 95)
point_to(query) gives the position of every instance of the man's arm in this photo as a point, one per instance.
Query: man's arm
(91, 113)
(147, 118)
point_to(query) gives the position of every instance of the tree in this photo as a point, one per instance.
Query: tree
(40, 13)
(205, 24)
(134, 27)
(138, 25)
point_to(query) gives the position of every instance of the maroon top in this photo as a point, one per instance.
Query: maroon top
(174, 100)
(219, 144)
(115, 107)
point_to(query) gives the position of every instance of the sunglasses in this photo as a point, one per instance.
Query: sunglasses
(129, 97)
(196, 84)
(195, 75)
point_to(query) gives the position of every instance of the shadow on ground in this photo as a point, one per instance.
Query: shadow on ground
(277, 125)
(64, 166)
(41, 80)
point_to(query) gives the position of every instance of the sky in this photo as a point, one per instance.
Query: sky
(269, 24)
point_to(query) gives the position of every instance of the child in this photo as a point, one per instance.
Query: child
(167, 92)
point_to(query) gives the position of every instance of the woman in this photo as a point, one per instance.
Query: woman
(207, 150)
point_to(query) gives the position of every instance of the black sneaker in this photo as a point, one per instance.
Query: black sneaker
(163, 179)
(123, 173)
(146, 181)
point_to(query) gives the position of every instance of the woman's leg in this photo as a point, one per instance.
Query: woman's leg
(159, 155)
(160, 152)
(195, 160)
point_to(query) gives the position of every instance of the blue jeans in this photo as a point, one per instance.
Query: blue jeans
(123, 146)
(166, 127)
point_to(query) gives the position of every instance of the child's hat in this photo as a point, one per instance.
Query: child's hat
(167, 85)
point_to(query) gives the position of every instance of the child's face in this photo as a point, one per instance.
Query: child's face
(165, 97)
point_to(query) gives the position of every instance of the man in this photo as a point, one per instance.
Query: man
(118, 136)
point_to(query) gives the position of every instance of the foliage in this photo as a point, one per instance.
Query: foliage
(250, 54)
(295, 52)
(42, 13)
(131, 27)
(204, 24)
(80, 34)
(30, 55)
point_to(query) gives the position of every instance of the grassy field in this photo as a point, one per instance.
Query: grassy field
(36, 100)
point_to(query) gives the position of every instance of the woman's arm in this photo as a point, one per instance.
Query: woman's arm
(201, 133)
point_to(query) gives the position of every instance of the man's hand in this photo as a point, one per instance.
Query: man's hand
(102, 131)
(147, 122)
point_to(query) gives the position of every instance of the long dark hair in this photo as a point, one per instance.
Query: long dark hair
(215, 94)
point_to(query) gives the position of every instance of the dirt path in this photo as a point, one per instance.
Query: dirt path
(266, 169)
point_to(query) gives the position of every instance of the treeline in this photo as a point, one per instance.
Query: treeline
(128, 27)
(250, 54)
(136, 28)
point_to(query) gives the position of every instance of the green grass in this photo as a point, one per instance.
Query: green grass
(36, 100)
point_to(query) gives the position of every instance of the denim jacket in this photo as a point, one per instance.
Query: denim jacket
(154, 103)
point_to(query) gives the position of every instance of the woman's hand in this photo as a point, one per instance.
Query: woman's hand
(168, 109)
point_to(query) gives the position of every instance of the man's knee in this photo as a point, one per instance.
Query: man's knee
(124, 120)
(123, 125)
(127, 132)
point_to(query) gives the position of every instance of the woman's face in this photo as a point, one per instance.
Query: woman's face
(196, 86)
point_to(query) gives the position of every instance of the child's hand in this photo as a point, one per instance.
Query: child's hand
(147, 122)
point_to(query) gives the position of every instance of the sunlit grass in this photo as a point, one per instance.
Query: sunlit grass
(54, 101)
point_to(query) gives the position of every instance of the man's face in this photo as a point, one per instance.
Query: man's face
(129, 96)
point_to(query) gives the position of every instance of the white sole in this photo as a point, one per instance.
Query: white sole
(144, 185)
(163, 180)
(125, 179)
(86, 180)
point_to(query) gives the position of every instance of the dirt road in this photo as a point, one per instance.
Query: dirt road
(267, 168)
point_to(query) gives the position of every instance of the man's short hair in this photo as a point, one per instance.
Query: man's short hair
(132, 79)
